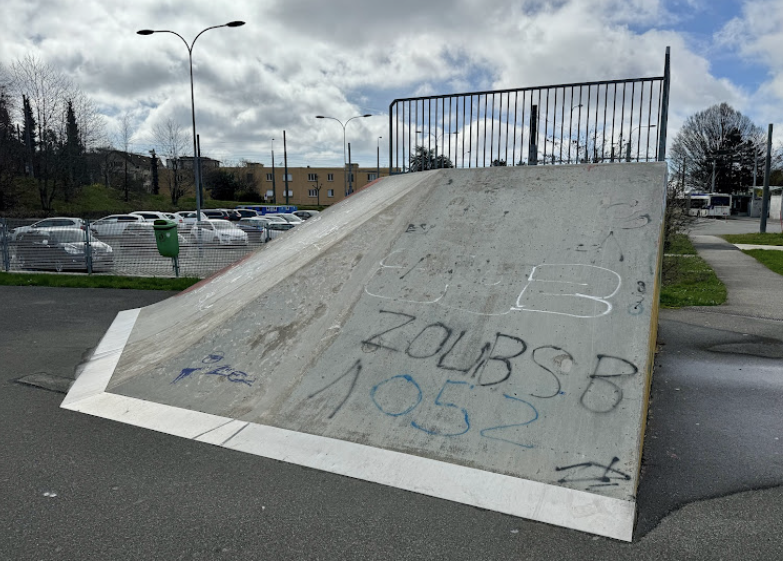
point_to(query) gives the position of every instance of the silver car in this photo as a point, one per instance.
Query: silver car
(217, 231)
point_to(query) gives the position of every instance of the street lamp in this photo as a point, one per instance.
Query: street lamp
(345, 161)
(196, 162)
(378, 170)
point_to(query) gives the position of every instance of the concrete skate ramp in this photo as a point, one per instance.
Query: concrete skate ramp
(484, 336)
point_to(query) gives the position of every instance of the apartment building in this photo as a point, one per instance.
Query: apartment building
(306, 185)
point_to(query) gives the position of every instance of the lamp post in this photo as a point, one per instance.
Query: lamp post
(196, 163)
(378, 163)
(343, 125)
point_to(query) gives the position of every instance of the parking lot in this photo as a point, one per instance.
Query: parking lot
(127, 249)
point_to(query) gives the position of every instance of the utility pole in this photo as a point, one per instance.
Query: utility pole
(350, 171)
(274, 193)
(765, 192)
(285, 160)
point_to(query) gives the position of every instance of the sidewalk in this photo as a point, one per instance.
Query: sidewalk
(755, 294)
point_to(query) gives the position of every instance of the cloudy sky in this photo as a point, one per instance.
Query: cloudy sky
(295, 59)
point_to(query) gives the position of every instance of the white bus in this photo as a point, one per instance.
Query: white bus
(709, 204)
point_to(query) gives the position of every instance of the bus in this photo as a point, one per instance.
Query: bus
(709, 204)
(270, 209)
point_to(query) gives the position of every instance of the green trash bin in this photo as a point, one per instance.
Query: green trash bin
(166, 238)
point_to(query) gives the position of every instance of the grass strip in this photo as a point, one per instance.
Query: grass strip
(754, 239)
(679, 244)
(96, 281)
(688, 280)
(772, 259)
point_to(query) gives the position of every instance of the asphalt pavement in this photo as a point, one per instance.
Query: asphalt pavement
(78, 487)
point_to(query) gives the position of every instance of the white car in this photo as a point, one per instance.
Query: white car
(113, 225)
(217, 231)
(152, 215)
(292, 218)
(188, 217)
(56, 222)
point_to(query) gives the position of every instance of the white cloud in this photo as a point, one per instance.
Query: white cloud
(298, 58)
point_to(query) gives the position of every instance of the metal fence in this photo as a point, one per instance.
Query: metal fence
(607, 121)
(119, 249)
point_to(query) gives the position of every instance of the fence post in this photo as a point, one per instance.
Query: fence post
(87, 247)
(5, 247)
(532, 153)
(664, 116)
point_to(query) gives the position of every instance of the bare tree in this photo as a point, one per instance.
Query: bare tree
(172, 144)
(123, 140)
(49, 94)
(719, 146)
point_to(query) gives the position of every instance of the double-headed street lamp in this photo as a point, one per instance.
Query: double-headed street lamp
(345, 161)
(196, 163)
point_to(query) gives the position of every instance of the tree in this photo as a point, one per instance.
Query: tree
(29, 136)
(317, 188)
(46, 95)
(719, 145)
(124, 139)
(11, 154)
(423, 159)
(154, 170)
(72, 156)
(222, 185)
(173, 145)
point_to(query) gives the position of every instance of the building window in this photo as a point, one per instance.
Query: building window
(312, 192)
(312, 177)
(371, 177)
(290, 177)
(289, 193)
(249, 178)
(269, 177)
(330, 193)
(330, 177)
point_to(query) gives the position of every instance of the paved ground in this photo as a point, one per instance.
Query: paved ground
(77, 487)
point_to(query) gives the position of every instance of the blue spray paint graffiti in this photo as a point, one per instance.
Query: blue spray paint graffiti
(226, 371)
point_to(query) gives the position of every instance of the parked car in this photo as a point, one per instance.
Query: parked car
(288, 217)
(55, 222)
(60, 249)
(217, 231)
(187, 218)
(142, 236)
(274, 226)
(222, 214)
(305, 214)
(247, 212)
(152, 215)
(114, 224)
(257, 229)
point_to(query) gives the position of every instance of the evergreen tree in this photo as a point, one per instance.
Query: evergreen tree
(29, 135)
(73, 161)
(11, 154)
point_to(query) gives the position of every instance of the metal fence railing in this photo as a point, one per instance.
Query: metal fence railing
(122, 248)
(607, 121)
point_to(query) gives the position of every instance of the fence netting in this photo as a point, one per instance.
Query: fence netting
(126, 249)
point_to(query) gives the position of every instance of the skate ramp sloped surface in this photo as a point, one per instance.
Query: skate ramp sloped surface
(484, 336)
